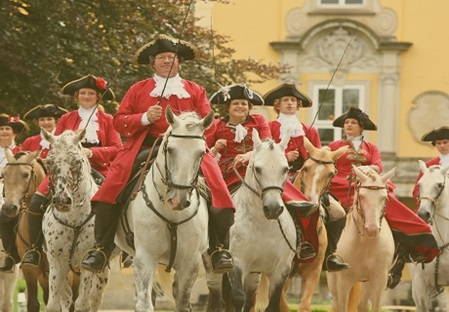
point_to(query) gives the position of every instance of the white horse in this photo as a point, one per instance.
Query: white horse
(8, 281)
(263, 237)
(68, 224)
(366, 244)
(431, 278)
(169, 216)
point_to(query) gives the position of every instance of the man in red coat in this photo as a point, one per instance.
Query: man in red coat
(141, 119)
(45, 116)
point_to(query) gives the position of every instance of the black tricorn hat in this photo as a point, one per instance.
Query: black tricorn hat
(15, 123)
(287, 89)
(437, 134)
(163, 43)
(357, 114)
(91, 82)
(234, 92)
(44, 110)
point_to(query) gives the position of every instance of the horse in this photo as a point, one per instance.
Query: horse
(366, 244)
(68, 224)
(429, 279)
(21, 176)
(313, 180)
(263, 237)
(8, 281)
(169, 215)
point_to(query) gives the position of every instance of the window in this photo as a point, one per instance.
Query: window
(341, 2)
(332, 104)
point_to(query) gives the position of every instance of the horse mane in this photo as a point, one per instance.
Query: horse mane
(370, 172)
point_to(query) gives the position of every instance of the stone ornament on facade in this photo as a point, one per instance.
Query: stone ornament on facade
(431, 112)
(296, 23)
(385, 22)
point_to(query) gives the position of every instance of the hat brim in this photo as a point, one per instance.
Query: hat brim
(88, 82)
(161, 44)
(287, 90)
(47, 110)
(236, 91)
(437, 134)
(358, 115)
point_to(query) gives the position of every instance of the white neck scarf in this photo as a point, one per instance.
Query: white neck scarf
(3, 160)
(356, 141)
(444, 160)
(174, 86)
(92, 127)
(290, 125)
(240, 133)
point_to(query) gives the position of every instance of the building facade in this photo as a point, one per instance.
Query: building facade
(391, 60)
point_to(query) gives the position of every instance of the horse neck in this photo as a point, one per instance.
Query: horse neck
(440, 225)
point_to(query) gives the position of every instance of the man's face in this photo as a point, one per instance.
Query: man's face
(163, 63)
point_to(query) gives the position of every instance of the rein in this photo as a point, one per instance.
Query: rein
(358, 205)
(32, 178)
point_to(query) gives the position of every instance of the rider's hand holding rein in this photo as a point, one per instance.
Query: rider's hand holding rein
(154, 113)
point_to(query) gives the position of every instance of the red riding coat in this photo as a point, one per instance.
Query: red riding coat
(403, 222)
(33, 143)
(128, 122)
(103, 155)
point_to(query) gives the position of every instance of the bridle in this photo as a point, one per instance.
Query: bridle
(358, 205)
(33, 178)
(321, 162)
(434, 200)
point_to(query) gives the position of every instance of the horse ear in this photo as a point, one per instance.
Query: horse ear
(9, 155)
(80, 134)
(336, 154)
(309, 146)
(32, 155)
(256, 138)
(169, 115)
(47, 135)
(208, 120)
(359, 173)
(422, 166)
(388, 175)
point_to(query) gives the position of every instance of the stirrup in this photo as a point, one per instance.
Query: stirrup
(30, 253)
(126, 262)
(90, 253)
(224, 254)
(307, 247)
(340, 260)
(13, 262)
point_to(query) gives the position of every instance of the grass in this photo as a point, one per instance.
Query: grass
(21, 287)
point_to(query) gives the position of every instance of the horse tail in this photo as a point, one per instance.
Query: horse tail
(163, 283)
(354, 297)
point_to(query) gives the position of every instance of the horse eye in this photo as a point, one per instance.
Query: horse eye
(26, 175)
(258, 169)
(305, 169)
(440, 185)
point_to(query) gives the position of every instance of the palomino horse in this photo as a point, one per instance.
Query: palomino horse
(68, 224)
(21, 176)
(366, 244)
(430, 278)
(313, 180)
(8, 281)
(169, 216)
(263, 237)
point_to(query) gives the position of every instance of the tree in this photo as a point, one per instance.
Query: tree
(47, 43)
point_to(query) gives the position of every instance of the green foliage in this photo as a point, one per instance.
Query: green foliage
(47, 43)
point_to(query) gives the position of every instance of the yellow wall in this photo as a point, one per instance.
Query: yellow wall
(252, 24)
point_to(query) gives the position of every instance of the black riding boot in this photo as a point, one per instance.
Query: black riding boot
(9, 243)
(220, 220)
(304, 250)
(96, 259)
(331, 261)
(395, 273)
(35, 215)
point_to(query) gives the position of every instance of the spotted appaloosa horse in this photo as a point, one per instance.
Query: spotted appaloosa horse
(432, 278)
(169, 216)
(21, 176)
(313, 180)
(366, 244)
(68, 224)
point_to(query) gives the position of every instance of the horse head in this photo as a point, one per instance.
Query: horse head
(432, 188)
(21, 176)
(179, 159)
(69, 169)
(317, 171)
(267, 173)
(371, 198)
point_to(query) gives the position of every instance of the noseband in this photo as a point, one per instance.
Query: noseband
(321, 162)
(434, 200)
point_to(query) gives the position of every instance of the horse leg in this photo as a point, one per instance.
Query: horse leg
(144, 268)
(277, 281)
(250, 284)
(283, 305)
(8, 285)
(58, 300)
(30, 275)
(82, 302)
(233, 289)
(99, 282)
(344, 286)
(214, 284)
(419, 288)
(184, 280)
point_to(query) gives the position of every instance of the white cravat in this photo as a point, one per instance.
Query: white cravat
(240, 133)
(356, 142)
(444, 160)
(174, 86)
(290, 125)
(92, 127)
(3, 160)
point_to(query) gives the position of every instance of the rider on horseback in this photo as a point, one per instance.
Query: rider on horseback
(287, 100)
(141, 118)
(100, 145)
